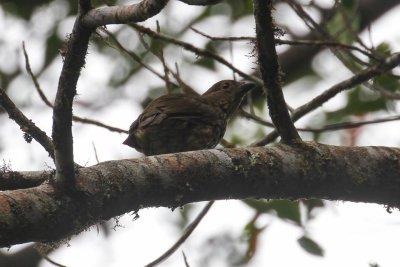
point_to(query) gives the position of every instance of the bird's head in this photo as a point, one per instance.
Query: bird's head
(227, 95)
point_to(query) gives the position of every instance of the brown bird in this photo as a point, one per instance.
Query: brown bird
(182, 122)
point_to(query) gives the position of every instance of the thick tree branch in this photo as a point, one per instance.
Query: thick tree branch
(309, 170)
(270, 71)
(123, 14)
(26, 125)
(74, 60)
(10, 180)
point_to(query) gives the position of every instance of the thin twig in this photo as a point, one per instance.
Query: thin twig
(169, 84)
(95, 152)
(313, 25)
(44, 256)
(326, 44)
(383, 91)
(99, 124)
(256, 118)
(184, 236)
(326, 128)
(231, 39)
(26, 125)
(187, 89)
(160, 56)
(131, 54)
(196, 50)
(279, 41)
(34, 78)
(49, 104)
(363, 76)
(350, 124)
(185, 259)
(349, 21)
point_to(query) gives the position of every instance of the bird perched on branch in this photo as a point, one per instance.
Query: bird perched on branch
(182, 122)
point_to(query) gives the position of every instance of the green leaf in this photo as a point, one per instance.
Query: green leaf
(240, 8)
(389, 83)
(284, 209)
(23, 8)
(311, 205)
(310, 246)
(384, 49)
(252, 233)
(53, 46)
(236, 140)
(339, 27)
(348, 4)
(207, 62)
(360, 101)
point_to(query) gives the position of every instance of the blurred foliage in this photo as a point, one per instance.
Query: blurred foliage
(284, 209)
(23, 8)
(310, 246)
(240, 8)
(359, 102)
(298, 213)
(345, 23)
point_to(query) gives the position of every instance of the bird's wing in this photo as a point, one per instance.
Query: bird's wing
(175, 106)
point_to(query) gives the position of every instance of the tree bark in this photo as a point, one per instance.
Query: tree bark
(108, 189)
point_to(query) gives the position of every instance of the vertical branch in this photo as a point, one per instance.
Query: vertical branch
(74, 60)
(270, 72)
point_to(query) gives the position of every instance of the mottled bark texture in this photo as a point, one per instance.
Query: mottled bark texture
(270, 71)
(309, 170)
(123, 14)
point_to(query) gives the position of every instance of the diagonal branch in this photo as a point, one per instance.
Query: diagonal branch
(26, 125)
(278, 41)
(49, 104)
(196, 50)
(363, 76)
(295, 59)
(326, 128)
(188, 231)
(270, 72)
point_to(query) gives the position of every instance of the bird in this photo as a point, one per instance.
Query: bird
(185, 122)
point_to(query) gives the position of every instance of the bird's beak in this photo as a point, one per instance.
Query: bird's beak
(247, 86)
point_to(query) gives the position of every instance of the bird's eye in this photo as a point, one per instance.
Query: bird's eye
(225, 85)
